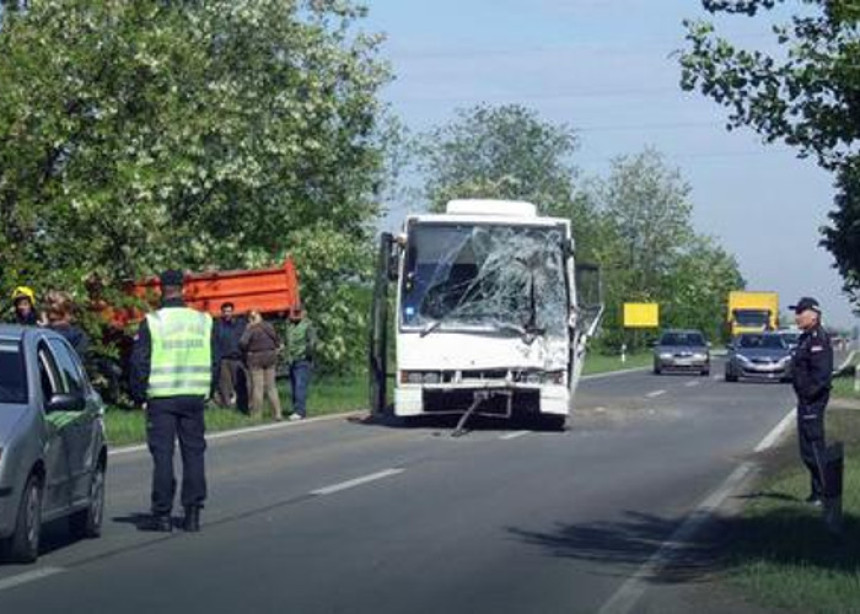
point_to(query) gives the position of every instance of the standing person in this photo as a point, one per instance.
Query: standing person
(301, 342)
(812, 369)
(24, 302)
(261, 345)
(171, 375)
(59, 308)
(228, 331)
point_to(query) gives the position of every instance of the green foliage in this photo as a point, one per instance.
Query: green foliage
(805, 96)
(140, 135)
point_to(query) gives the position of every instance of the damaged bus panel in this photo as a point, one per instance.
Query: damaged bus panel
(491, 313)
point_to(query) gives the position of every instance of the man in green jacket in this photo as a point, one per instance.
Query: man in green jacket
(301, 339)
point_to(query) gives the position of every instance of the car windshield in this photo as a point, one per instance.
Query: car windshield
(751, 317)
(761, 341)
(467, 275)
(13, 379)
(692, 339)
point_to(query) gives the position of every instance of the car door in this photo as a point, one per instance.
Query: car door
(57, 493)
(77, 426)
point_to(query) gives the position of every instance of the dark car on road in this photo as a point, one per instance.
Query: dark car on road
(758, 356)
(53, 453)
(682, 350)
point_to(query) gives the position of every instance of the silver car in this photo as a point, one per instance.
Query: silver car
(759, 356)
(682, 350)
(53, 453)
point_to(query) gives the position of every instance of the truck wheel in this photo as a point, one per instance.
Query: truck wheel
(552, 422)
(24, 543)
(88, 522)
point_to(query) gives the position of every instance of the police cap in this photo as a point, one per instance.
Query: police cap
(171, 278)
(806, 302)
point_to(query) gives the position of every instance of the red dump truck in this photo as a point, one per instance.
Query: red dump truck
(272, 291)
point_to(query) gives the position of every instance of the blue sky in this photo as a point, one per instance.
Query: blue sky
(606, 68)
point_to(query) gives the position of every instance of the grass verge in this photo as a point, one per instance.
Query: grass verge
(780, 553)
(327, 395)
(602, 363)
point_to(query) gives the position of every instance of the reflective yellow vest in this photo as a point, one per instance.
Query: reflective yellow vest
(181, 359)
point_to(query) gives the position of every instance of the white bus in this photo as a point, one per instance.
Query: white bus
(492, 314)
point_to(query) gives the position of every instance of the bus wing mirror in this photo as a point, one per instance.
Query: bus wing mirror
(589, 297)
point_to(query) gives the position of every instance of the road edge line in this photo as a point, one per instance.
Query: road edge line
(625, 598)
(29, 576)
(246, 430)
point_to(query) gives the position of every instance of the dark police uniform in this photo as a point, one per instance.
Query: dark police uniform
(170, 416)
(812, 368)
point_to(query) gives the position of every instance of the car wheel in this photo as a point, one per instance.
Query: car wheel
(88, 522)
(705, 372)
(24, 543)
(657, 370)
(730, 377)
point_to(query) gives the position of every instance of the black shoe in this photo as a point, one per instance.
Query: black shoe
(191, 522)
(158, 523)
(813, 499)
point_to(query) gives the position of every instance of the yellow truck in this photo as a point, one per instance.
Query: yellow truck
(752, 312)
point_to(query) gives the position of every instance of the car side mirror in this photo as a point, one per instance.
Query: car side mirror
(65, 402)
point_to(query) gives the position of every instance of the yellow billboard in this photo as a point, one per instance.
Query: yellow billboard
(641, 315)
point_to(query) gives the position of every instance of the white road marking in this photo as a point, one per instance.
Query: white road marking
(716, 377)
(655, 394)
(624, 600)
(328, 490)
(777, 432)
(262, 428)
(514, 435)
(691, 384)
(29, 576)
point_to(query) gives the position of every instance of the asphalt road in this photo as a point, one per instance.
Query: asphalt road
(342, 516)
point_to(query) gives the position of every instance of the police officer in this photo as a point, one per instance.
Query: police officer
(171, 370)
(812, 369)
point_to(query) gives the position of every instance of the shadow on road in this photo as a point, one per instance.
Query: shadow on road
(794, 535)
(448, 422)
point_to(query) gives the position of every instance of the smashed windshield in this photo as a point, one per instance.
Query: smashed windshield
(506, 277)
(13, 379)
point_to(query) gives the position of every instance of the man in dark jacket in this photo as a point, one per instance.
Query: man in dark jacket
(812, 368)
(231, 373)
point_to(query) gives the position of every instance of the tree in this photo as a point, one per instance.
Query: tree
(650, 251)
(806, 97)
(227, 133)
(508, 152)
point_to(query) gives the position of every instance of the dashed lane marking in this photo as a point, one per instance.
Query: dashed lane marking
(655, 394)
(691, 384)
(329, 490)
